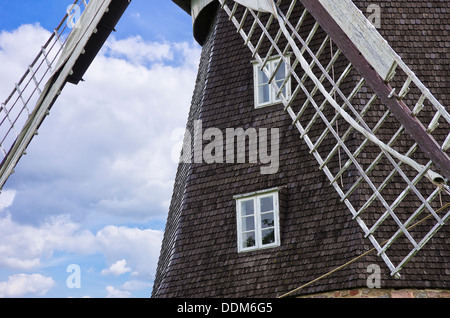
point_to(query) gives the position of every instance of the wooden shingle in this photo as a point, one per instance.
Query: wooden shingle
(199, 255)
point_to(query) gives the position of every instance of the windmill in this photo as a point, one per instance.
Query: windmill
(368, 53)
(376, 132)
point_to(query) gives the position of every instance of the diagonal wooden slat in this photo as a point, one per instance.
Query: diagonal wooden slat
(314, 82)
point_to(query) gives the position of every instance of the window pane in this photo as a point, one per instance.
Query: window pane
(283, 91)
(281, 73)
(268, 236)
(267, 220)
(279, 80)
(267, 204)
(248, 239)
(262, 78)
(257, 221)
(264, 94)
(247, 207)
(248, 223)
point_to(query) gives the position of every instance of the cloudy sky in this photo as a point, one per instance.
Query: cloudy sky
(94, 188)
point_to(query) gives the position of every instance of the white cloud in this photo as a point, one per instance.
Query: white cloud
(125, 250)
(7, 199)
(138, 51)
(17, 50)
(118, 268)
(106, 146)
(125, 290)
(117, 293)
(139, 247)
(136, 285)
(24, 246)
(104, 152)
(22, 285)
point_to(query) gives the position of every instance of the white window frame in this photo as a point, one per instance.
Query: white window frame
(271, 65)
(256, 198)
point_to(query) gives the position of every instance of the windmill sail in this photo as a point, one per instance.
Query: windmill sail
(64, 58)
(362, 126)
(259, 5)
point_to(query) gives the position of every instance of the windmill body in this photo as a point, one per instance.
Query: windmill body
(345, 152)
(316, 154)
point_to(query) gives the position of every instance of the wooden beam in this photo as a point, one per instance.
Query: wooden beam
(403, 114)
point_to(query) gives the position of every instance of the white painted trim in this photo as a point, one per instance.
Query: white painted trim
(272, 100)
(256, 196)
(197, 6)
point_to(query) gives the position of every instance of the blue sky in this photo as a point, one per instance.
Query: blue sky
(95, 185)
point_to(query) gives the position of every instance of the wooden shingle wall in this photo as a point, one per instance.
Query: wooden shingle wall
(199, 255)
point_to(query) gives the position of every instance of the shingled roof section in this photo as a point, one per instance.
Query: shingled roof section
(199, 255)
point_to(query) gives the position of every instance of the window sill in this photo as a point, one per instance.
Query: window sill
(255, 249)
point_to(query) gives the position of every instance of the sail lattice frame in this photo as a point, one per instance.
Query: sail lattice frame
(17, 110)
(63, 59)
(382, 143)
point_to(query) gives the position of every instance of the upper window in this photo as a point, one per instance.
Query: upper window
(258, 221)
(265, 93)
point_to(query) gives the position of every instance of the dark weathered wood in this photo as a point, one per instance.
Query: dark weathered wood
(199, 255)
(403, 114)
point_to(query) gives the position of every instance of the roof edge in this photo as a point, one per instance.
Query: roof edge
(184, 4)
(202, 13)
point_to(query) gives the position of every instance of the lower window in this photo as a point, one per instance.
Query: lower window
(258, 221)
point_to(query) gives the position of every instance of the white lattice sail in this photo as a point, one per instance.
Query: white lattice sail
(63, 58)
(354, 131)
